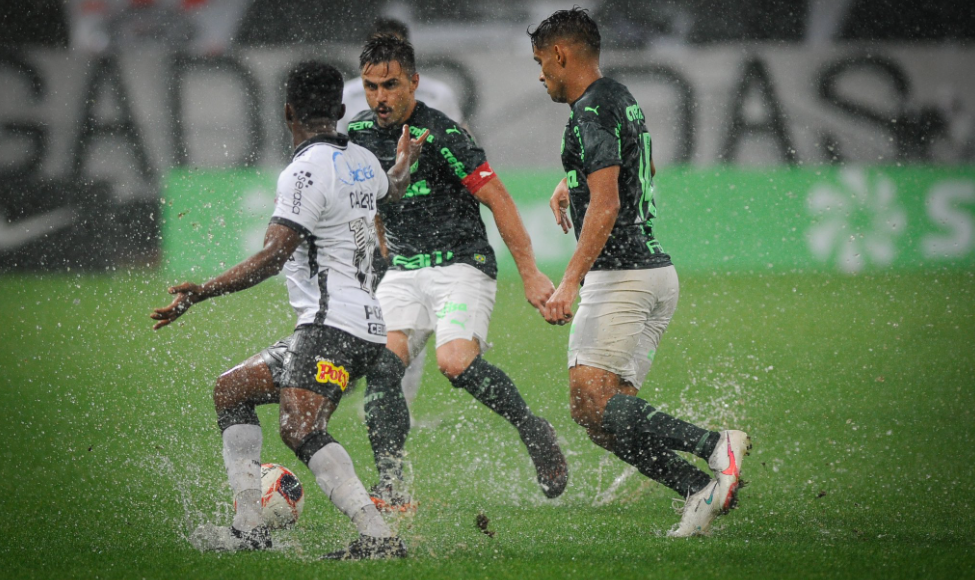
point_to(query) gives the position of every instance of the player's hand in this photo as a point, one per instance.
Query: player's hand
(558, 308)
(410, 148)
(560, 204)
(187, 294)
(538, 289)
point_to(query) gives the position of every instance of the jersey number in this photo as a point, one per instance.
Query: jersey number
(364, 235)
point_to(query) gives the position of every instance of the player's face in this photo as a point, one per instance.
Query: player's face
(550, 73)
(390, 92)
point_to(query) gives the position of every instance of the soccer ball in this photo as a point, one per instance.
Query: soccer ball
(282, 497)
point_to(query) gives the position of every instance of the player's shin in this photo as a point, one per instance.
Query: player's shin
(242, 459)
(625, 411)
(493, 388)
(333, 470)
(387, 415)
(650, 455)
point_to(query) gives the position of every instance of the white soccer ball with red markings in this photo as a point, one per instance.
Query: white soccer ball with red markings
(282, 497)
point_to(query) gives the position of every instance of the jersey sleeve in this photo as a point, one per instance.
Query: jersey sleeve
(382, 189)
(464, 157)
(300, 199)
(600, 141)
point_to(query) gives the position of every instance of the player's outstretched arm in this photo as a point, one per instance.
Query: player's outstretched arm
(407, 152)
(604, 206)
(280, 243)
(559, 203)
(538, 287)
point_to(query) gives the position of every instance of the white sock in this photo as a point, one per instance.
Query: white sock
(336, 476)
(413, 376)
(242, 458)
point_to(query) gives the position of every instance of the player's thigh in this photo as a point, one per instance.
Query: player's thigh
(256, 381)
(326, 360)
(665, 288)
(463, 299)
(610, 322)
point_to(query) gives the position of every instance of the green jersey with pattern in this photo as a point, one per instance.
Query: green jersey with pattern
(438, 222)
(606, 128)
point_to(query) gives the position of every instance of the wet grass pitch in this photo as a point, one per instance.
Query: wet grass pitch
(858, 392)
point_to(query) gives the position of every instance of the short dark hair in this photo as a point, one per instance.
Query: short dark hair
(314, 90)
(387, 48)
(574, 25)
(383, 25)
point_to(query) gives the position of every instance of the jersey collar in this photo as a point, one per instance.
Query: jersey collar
(339, 140)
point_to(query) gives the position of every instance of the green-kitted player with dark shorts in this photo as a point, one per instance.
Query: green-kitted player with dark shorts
(629, 286)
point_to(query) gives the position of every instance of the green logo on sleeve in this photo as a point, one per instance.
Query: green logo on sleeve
(453, 130)
(596, 110)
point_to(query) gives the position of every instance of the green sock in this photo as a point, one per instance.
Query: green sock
(649, 455)
(492, 387)
(387, 415)
(671, 432)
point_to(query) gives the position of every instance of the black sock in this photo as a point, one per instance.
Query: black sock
(387, 415)
(650, 455)
(671, 432)
(492, 387)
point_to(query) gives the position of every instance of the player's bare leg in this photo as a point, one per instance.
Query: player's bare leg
(460, 361)
(236, 394)
(303, 420)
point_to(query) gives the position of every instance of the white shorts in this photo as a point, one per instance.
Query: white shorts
(621, 316)
(454, 301)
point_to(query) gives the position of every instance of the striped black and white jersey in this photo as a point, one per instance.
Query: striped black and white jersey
(328, 195)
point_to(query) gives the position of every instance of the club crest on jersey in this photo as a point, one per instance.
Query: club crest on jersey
(329, 373)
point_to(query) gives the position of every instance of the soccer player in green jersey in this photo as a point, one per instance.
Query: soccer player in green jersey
(442, 277)
(629, 285)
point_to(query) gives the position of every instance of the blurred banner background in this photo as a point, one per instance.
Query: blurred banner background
(811, 135)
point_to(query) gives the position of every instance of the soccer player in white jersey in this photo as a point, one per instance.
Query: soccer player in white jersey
(437, 95)
(322, 235)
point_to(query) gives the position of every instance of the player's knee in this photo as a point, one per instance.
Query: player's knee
(452, 367)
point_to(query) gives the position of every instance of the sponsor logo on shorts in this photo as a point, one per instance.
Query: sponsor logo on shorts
(329, 373)
(452, 307)
(376, 328)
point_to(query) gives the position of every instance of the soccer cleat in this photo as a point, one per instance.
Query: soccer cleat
(550, 466)
(210, 538)
(725, 462)
(698, 512)
(370, 548)
(388, 499)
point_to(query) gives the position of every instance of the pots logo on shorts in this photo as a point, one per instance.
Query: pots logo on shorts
(329, 373)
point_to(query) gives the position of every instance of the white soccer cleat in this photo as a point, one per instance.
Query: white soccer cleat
(211, 538)
(725, 462)
(698, 512)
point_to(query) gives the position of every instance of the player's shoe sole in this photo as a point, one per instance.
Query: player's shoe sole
(370, 548)
(210, 538)
(733, 446)
(551, 470)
